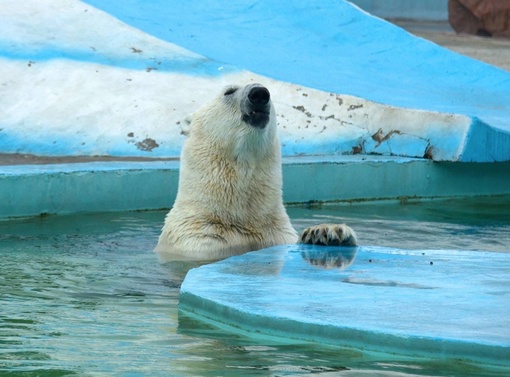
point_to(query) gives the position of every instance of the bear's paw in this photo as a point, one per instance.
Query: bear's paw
(329, 235)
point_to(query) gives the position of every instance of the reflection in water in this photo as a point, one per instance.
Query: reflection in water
(329, 257)
(481, 223)
(176, 271)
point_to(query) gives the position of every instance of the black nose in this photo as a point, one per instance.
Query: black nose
(259, 95)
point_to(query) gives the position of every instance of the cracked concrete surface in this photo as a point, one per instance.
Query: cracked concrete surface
(345, 124)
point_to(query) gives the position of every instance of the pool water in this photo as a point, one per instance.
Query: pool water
(85, 295)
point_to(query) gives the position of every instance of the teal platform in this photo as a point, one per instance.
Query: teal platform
(31, 190)
(434, 304)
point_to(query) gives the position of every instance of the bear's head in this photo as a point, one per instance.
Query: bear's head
(240, 118)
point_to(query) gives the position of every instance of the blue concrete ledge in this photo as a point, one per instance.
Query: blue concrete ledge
(434, 304)
(29, 190)
(343, 81)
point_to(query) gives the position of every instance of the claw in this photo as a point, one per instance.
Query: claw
(329, 235)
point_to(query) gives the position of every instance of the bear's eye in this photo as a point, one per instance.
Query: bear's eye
(230, 91)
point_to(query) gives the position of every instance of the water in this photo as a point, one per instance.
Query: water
(85, 295)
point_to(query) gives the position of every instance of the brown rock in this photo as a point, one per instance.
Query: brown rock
(480, 17)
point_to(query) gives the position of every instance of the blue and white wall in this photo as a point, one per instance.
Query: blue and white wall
(120, 78)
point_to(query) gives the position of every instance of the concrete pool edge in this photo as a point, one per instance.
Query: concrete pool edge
(275, 294)
(280, 330)
(31, 190)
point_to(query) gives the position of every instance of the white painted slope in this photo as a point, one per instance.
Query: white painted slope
(76, 81)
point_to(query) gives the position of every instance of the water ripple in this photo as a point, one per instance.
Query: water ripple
(86, 295)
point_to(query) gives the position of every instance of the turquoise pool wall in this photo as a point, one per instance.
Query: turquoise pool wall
(31, 190)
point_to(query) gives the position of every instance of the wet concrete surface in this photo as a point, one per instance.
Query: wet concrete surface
(494, 51)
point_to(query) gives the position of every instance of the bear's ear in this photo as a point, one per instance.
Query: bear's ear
(186, 125)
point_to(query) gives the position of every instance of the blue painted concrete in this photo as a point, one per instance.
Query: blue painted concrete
(188, 65)
(330, 46)
(29, 190)
(484, 143)
(439, 304)
(86, 187)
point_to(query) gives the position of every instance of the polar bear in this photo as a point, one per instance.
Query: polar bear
(229, 199)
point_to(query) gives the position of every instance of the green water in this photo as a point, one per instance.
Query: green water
(85, 295)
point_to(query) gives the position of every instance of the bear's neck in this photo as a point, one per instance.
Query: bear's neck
(233, 181)
(252, 148)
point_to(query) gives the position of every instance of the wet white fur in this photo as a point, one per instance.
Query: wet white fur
(229, 199)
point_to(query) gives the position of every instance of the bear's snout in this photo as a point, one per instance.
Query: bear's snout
(256, 106)
(259, 96)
